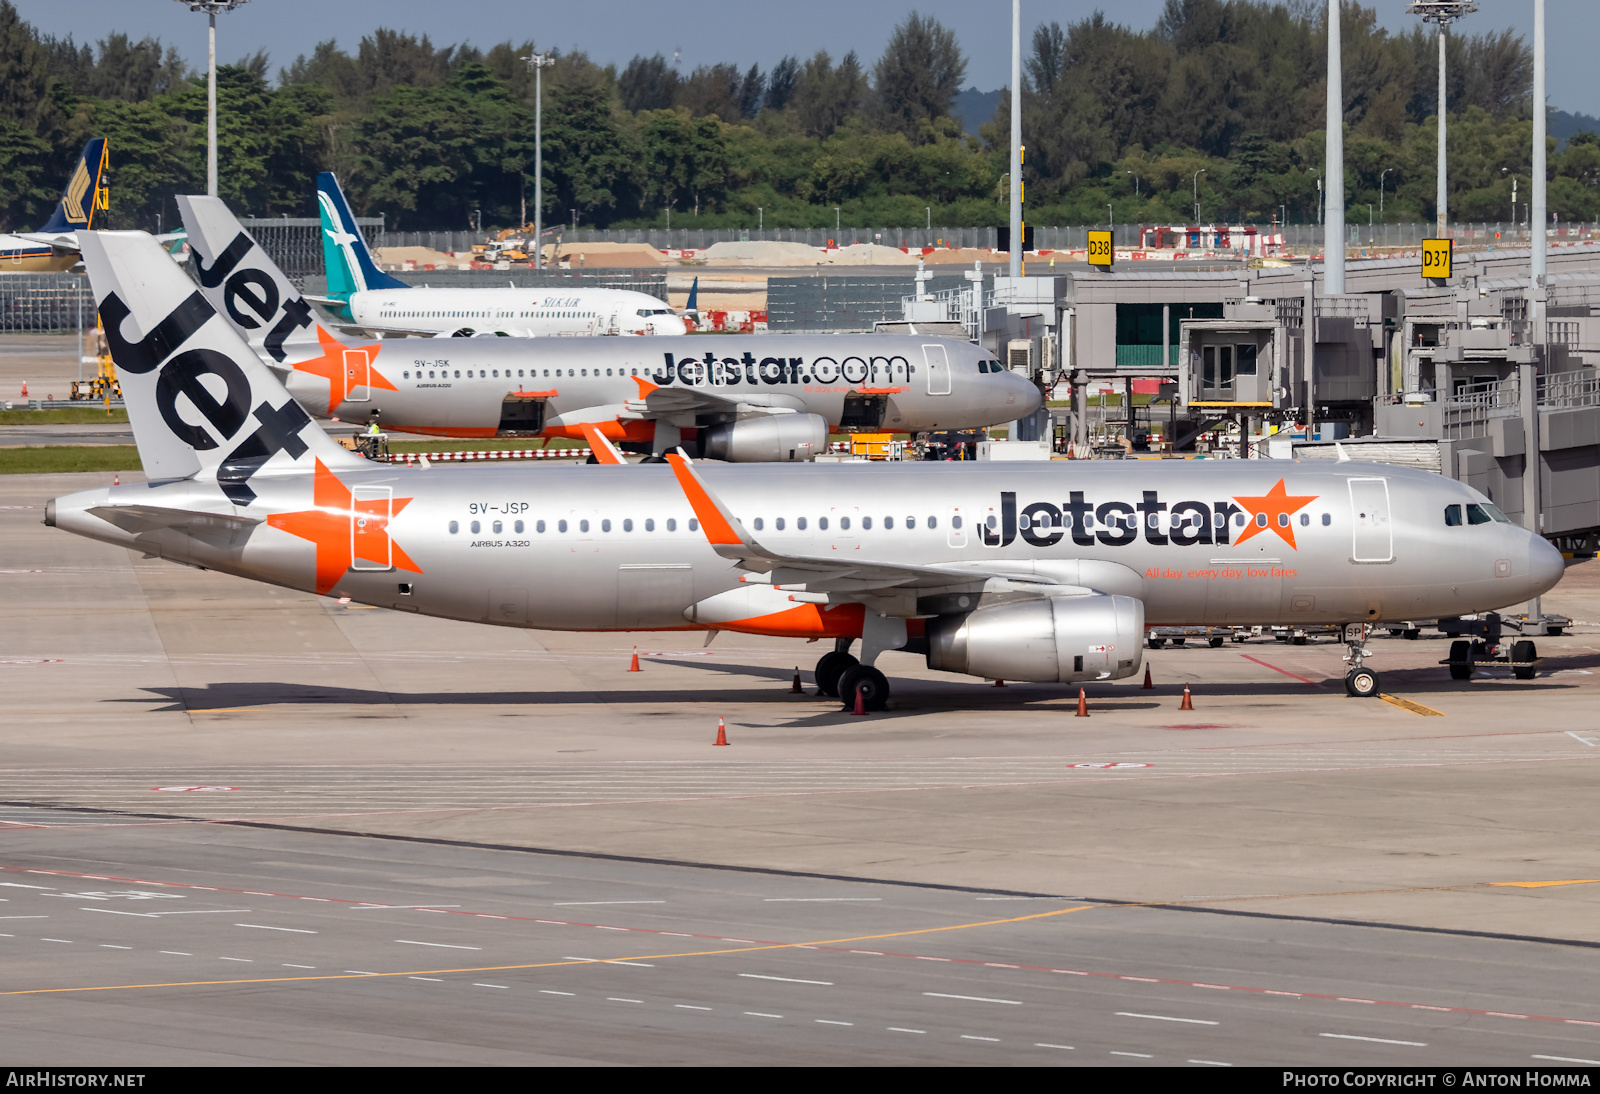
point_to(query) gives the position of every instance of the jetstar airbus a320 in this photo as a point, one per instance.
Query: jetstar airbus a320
(1045, 572)
(741, 398)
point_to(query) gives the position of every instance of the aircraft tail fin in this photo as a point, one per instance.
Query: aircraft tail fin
(693, 306)
(243, 284)
(201, 403)
(349, 263)
(84, 194)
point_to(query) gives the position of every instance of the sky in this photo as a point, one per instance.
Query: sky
(711, 31)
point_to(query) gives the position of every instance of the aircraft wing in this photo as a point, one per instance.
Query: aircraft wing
(813, 577)
(149, 518)
(61, 244)
(656, 401)
(368, 328)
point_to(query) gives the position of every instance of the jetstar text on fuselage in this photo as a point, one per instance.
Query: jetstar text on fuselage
(1120, 523)
(747, 369)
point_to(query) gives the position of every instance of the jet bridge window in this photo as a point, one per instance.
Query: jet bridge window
(1452, 516)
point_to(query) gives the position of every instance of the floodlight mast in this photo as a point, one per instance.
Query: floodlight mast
(1442, 12)
(539, 62)
(1333, 224)
(211, 7)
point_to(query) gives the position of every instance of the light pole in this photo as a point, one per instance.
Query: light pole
(1386, 172)
(539, 62)
(929, 210)
(761, 218)
(1333, 226)
(1197, 175)
(211, 7)
(1016, 140)
(835, 220)
(1135, 183)
(1442, 12)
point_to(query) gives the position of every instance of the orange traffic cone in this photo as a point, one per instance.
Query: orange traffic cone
(861, 704)
(1147, 686)
(795, 688)
(635, 666)
(1186, 704)
(722, 734)
(116, 480)
(999, 683)
(1083, 705)
(24, 389)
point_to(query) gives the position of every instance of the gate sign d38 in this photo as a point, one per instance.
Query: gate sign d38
(1101, 251)
(1438, 256)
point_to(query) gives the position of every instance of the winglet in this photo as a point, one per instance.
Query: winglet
(692, 307)
(604, 450)
(715, 520)
(1344, 457)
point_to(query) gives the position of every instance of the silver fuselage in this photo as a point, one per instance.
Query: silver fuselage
(487, 544)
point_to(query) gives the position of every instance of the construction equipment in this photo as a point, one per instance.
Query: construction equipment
(103, 387)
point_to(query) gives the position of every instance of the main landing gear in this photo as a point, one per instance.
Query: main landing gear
(839, 674)
(1359, 682)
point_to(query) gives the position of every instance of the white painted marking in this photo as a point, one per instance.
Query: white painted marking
(1213, 987)
(785, 979)
(974, 1037)
(19, 885)
(582, 903)
(246, 960)
(752, 942)
(903, 1029)
(1211, 1063)
(109, 946)
(1140, 1055)
(1139, 979)
(1342, 999)
(676, 934)
(1419, 1006)
(829, 1022)
(686, 1006)
(252, 892)
(178, 953)
(1564, 1059)
(973, 998)
(1166, 1018)
(1012, 898)
(265, 927)
(822, 899)
(600, 928)
(437, 945)
(360, 972)
(433, 979)
(921, 958)
(1583, 740)
(289, 966)
(502, 987)
(869, 953)
(1047, 1044)
(615, 999)
(610, 961)
(547, 991)
(1290, 994)
(67, 940)
(29, 916)
(759, 1014)
(1108, 767)
(108, 911)
(1375, 1040)
(399, 907)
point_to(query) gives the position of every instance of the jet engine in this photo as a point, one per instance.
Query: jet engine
(772, 438)
(1050, 640)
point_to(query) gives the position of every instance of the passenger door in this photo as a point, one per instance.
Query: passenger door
(357, 376)
(1373, 537)
(371, 508)
(938, 363)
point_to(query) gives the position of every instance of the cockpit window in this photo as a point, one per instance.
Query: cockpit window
(1452, 516)
(983, 366)
(1476, 514)
(1495, 514)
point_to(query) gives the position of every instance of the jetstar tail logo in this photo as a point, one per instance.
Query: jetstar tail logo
(346, 529)
(344, 368)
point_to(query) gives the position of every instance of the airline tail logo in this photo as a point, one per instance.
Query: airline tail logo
(72, 200)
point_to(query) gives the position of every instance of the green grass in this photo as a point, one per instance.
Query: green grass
(88, 415)
(52, 459)
(479, 444)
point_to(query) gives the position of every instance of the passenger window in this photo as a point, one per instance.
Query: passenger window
(518, 527)
(778, 524)
(1452, 516)
(605, 525)
(800, 523)
(1477, 515)
(758, 524)
(1305, 520)
(1327, 519)
(955, 522)
(561, 526)
(822, 523)
(672, 524)
(649, 524)
(911, 522)
(498, 527)
(1261, 520)
(627, 524)
(476, 527)
(694, 525)
(1238, 520)
(406, 375)
(455, 526)
(583, 526)
(866, 523)
(888, 523)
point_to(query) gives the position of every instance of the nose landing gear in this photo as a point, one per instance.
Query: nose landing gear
(1359, 682)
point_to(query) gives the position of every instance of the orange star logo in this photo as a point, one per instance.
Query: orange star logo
(344, 368)
(1277, 505)
(345, 530)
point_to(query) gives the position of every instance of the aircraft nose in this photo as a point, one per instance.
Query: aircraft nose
(669, 324)
(1023, 397)
(1545, 564)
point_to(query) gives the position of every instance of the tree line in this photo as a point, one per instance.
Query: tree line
(1220, 103)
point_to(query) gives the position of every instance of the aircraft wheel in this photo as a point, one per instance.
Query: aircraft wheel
(1299, 640)
(872, 684)
(654, 459)
(1523, 651)
(592, 458)
(1179, 641)
(829, 668)
(1361, 683)
(1413, 634)
(1157, 643)
(1216, 643)
(1461, 660)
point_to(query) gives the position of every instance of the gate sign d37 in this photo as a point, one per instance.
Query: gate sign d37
(1438, 256)
(1101, 251)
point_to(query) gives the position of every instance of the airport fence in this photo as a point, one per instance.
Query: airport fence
(840, 302)
(295, 243)
(45, 303)
(650, 280)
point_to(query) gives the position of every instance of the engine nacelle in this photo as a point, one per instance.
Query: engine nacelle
(1056, 640)
(772, 438)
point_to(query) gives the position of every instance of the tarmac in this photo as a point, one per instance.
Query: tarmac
(248, 825)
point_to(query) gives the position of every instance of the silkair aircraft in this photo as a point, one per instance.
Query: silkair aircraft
(738, 397)
(1045, 572)
(376, 301)
(55, 246)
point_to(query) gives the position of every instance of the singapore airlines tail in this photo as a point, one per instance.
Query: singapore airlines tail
(349, 264)
(202, 405)
(84, 194)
